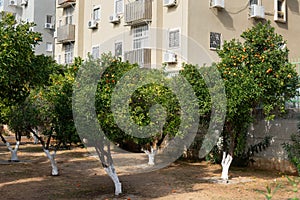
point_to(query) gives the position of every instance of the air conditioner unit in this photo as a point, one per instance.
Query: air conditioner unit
(257, 11)
(115, 19)
(217, 4)
(92, 24)
(169, 3)
(49, 26)
(170, 57)
(24, 2)
(12, 3)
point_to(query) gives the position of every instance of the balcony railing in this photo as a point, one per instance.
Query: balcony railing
(140, 56)
(138, 12)
(172, 73)
(65, 3)
(66, 33)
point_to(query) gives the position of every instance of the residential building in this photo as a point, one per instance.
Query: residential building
(152, 32)
(42, 13)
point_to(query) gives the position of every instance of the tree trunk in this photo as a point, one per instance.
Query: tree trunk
(151, 156)
(226, 162)
(110, 170)
(14, 152)
(52, 161)
(34, 136)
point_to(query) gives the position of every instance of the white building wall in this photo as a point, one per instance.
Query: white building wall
(35, 11)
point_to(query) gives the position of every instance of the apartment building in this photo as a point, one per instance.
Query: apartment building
(152, 32)
(42, 13)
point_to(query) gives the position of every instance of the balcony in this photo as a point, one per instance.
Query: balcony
(65, 3)
(66, 33)
(140, 56)
(172, 72)
(138, 12)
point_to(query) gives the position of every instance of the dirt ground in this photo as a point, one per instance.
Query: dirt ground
(82, 177)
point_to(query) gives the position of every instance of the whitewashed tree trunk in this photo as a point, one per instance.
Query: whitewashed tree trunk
(52, 161)
(35, 139)
(14, 155)
(113, 175)
(226, 162)
(151, 155)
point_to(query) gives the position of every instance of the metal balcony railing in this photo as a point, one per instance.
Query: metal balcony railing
(172, 73)
(140, 56)
(138, 12)
(66, 33)
(65, 3)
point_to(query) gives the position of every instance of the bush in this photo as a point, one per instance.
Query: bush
(293, 150)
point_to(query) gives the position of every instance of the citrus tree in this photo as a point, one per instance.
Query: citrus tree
(141, 105)
(257, 76)
(153, 117)
(21, 70)
(48, 110)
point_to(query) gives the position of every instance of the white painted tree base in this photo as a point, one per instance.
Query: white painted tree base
(151, 156)
(35, 139)
(226, 162)
(52, 161)
(14, 152)
(113, 175)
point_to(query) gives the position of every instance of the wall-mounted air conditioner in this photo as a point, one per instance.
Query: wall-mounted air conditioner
(170, 57)
(170, 3)
(257, 11)
(12, 3)
(115, 19)
(217, 3)
(92, 24)
(49, 26)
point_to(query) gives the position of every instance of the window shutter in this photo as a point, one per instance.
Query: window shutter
(215, 40)
(174, 39)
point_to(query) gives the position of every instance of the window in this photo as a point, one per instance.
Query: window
(49, 47)
(96, 13)
(280, 10)
(119, 6)
(96, 52)
(1, 3)
(69, 15)
(69, 48)
(49, 19)
(118, 49)
(174, 37)
(215, 40)
(140, 36)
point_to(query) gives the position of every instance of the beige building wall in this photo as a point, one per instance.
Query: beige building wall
(193, 18)
(73, 10)
(232, 20)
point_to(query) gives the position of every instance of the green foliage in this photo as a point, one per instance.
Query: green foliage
(18, 63)
(294, 182)
(257, 74)
(209, 90)
(113, 73)
(269, 193)
(293, 149)
(271, 190)
(140, 103)
(49, 107)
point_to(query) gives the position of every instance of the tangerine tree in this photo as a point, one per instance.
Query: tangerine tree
(257, 75)
(21, 70)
